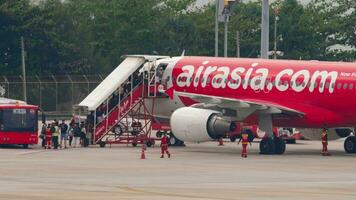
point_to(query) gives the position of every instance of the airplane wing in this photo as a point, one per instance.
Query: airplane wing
(243, 107)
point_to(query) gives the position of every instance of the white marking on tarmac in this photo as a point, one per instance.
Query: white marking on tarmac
(30, 152)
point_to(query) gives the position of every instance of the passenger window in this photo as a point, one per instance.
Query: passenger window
(345, 86)
(213, 80)
(339, 86)
(202, 80)
(196, 79)
(208, 80)
(351, 86)
(327, 85)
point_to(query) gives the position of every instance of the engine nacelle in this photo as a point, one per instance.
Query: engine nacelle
(199, 125)
(333, 133)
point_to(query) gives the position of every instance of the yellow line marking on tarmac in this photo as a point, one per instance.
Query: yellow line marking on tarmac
(145, 192)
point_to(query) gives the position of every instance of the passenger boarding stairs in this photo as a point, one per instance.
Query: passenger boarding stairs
(130, 84)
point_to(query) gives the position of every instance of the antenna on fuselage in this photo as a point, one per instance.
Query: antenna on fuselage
(183, 53)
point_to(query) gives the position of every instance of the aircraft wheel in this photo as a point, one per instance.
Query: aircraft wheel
(280, 146)
(159, 134)
(232, 138)
(350, 144)
(267, 146)
(25, 146)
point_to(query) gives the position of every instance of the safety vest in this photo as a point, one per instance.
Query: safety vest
(56, 131)
(244, 138)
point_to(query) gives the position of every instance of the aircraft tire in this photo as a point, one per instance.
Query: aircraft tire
(350, 144)
(233, 138)
(267, 146)
(280, 146)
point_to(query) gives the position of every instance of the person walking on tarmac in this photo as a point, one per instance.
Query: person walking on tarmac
(244, 139)
(48, 136)
(324, 141)
(164, 146)
(55, 135)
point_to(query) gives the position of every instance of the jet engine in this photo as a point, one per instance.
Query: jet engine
(199, 125)
(333, 133)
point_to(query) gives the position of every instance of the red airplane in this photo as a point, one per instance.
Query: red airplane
(218, 92)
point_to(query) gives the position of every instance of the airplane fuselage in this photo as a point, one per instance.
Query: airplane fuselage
(324, 92)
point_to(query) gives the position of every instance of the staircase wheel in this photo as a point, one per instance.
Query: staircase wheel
(102, 144)
(149, 143)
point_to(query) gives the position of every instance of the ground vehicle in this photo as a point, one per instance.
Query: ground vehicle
(18, 123)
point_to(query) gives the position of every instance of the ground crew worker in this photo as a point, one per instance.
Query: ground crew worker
(55, 135)
(324, 141)
(48, 136)
(244, 139)
(164, 146)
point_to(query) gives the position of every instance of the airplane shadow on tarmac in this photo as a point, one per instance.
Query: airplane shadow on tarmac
(290, 152)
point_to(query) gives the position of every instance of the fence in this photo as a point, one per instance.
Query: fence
(54, 94)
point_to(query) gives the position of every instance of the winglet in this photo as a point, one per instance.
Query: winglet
(170, 92)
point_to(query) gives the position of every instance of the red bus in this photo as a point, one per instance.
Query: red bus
(18, 123)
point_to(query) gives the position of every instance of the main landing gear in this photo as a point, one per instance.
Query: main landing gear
(272, 145)
(350, 144)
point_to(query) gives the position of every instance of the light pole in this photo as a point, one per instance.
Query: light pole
(276, 12)
(227, 15)
(23, 69)
(217, 28)
(265, 29)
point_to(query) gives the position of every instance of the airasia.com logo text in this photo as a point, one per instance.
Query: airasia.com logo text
(255, 77)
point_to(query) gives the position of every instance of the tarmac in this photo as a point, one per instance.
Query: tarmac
(197, 171)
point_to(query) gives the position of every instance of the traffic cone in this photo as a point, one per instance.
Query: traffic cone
(143, 156)
(221, 142)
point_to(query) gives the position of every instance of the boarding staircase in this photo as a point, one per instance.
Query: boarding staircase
(133, 81)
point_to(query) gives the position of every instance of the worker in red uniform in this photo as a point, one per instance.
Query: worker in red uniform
(244, 139)
(48, 136)
(164, 146)
(324, 141)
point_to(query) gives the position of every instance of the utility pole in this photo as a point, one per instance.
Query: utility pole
(265, 29)
(23, 69)
(238, 44)
(217, 28)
